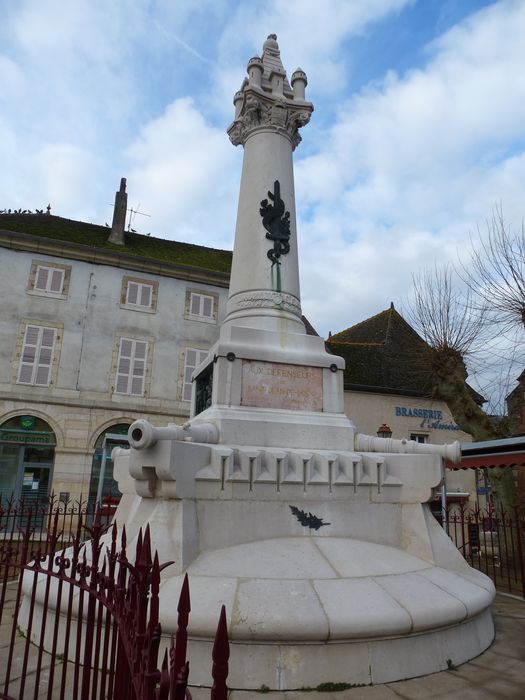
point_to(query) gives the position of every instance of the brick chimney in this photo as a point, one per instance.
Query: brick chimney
(119, 215)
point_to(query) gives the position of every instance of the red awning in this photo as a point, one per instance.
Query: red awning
(511, 459)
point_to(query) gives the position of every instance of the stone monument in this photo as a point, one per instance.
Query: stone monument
(317, 539)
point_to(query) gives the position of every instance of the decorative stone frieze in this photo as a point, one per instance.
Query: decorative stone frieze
(267, 300)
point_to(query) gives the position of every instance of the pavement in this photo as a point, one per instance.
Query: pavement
(496, 674)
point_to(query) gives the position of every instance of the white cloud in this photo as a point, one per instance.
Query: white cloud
(188, 174)
(411, 166)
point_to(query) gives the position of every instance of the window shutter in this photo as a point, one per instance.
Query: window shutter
(145, 295)
(133, 292)
(139, 368)
(37, 356)
(57, 281)
(207, 307)
(195, 304)
(27, 358)
(131, 367)
(193, 359)
(41, 278)
(123, 366)
(45, 357)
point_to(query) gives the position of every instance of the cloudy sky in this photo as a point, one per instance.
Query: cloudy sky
(418, 130)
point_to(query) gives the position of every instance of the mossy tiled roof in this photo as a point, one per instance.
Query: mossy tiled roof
(384, 352)
(94, 236)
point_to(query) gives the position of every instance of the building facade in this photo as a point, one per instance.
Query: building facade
(94, 335)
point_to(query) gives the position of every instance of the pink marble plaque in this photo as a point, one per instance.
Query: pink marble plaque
(275, 385)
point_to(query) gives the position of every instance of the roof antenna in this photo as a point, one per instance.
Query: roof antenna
(132, 214)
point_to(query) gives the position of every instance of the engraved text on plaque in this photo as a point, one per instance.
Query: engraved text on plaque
(276, 385)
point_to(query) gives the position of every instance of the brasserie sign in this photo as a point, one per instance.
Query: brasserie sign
(432, 419)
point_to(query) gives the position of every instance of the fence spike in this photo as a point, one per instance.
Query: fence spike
(220, 656)
(181, 638)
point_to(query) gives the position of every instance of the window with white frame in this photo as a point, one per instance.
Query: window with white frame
(201, 306)
(419, 437)
(49, 279)
(36, 358)
(131, 367)
(139, 294)
(192, 359)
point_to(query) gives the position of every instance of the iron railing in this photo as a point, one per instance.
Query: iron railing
(492, 541)
(80, 619)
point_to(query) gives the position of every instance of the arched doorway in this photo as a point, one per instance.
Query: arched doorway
(27, 455)
(102, 483)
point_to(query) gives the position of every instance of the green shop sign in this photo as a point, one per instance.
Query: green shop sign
(27, 422)
(27, 437)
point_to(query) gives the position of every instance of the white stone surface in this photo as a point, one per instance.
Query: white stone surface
(360, 608)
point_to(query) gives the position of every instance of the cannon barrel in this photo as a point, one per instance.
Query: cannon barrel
(370, 443)
(142, 434)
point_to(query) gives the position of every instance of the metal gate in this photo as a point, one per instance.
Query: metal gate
(493, 541)
(106, 641)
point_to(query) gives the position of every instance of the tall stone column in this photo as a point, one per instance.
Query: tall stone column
(266, 381)
(264, 288)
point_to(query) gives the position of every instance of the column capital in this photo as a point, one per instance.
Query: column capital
(258, 113)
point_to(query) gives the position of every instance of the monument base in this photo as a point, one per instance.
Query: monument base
(315, 609)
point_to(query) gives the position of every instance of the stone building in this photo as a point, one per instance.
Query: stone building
(94, 334)
(101, 326)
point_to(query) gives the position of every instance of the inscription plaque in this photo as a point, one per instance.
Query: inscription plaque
(276, 385)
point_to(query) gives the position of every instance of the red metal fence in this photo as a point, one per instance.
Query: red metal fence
(106, 641)
(493, 541)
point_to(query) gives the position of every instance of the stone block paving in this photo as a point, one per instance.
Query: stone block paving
(499, 673)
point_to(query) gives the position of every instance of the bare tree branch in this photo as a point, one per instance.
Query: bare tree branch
(443, 313)
(495, 272)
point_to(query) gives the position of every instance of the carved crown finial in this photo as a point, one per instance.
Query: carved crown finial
(267, 100)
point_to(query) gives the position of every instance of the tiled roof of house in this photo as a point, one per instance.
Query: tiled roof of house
(384, 353)
(93, 236)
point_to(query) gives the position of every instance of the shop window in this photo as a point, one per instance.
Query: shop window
(131, 367)
(27, 452)
(51, 280)
(139, 295)
(193, 358)
(419, 437)
(201, 306)
(36, 358)
(102, 481)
